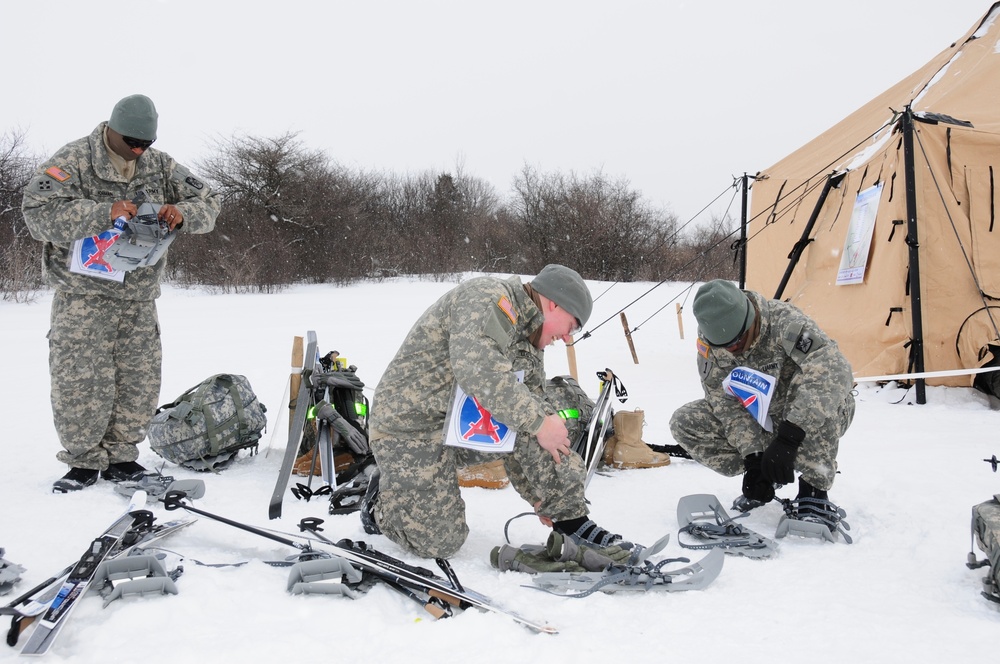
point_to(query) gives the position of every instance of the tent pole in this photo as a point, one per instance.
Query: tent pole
(917, 343)
(743, 235)
(832, 181)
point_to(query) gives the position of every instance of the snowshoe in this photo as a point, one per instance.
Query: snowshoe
(703, 518)
(633, 578)
(813, 517)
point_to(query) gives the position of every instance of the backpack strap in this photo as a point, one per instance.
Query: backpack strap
(212, 428)
(184, 407)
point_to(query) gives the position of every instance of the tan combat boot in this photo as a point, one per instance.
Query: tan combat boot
(305, 462)
(630, 451)
(490, 475)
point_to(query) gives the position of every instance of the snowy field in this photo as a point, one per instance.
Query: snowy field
(909, 477)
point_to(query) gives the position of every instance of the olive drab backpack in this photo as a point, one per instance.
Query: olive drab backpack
(205, 427)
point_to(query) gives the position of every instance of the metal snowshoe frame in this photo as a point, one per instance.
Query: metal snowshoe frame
(144, 238)
(703, 517)
(634, 578)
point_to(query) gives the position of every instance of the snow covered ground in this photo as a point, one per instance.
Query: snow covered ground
(909, 477)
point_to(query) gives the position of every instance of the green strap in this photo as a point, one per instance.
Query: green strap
(569, 413)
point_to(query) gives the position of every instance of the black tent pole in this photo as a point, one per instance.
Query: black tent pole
(917, 343)
(832, 181)
(743, 235)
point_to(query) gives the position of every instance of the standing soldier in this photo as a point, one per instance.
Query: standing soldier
(104, 340)
(478, 351)
(778, 396)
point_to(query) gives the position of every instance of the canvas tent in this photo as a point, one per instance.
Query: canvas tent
(893, 215)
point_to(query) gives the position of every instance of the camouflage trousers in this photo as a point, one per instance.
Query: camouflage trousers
(420, 505)
(701, 433)
(104, 365)
(986, 533)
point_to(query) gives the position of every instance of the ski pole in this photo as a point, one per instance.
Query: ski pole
(174, 500)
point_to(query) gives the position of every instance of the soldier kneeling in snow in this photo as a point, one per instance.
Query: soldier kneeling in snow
(778, 396)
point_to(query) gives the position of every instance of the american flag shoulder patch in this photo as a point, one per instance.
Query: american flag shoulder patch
(57, 173)
(508, 309)
(702, 348)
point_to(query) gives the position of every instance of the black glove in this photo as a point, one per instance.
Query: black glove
(344, 378)
(354, 438)
(778, 462)
(756, 487)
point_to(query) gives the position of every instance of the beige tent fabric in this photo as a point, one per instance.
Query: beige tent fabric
(957, 181)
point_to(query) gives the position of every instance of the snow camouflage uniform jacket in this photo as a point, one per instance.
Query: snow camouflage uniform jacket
(109, 327)
(60, 212)
(814, 390)
(477, 335)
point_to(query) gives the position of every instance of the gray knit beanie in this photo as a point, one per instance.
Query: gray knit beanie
(135, 116)
(567, 289)
(723, 311)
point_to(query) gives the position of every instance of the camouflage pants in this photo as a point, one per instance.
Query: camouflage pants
(699, 431)
(104, 365)
(420, 505)
(986, 532)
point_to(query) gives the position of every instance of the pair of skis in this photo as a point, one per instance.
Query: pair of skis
(52, 602)
(436, 593)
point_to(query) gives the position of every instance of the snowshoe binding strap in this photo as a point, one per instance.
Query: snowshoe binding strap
(813, 517)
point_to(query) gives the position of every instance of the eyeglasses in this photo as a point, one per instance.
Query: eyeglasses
(137, 142)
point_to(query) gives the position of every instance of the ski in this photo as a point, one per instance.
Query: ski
(34, 602)
(297, 427)
(448, 590)
(372, 561)
(79, 578)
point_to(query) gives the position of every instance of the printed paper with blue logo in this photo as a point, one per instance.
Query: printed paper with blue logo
(754, 390)
(88, 256)
(471, 426)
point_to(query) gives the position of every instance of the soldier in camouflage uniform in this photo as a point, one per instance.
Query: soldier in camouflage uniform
(476, 337)
(754, 348)
(104, 340)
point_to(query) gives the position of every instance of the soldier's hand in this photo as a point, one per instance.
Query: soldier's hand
(778, 462)
(554, 437)
(122, 209)
(171, 216)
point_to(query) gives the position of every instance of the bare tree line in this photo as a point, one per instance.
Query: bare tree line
(292, 215)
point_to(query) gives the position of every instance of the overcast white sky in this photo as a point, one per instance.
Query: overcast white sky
(675, 96)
